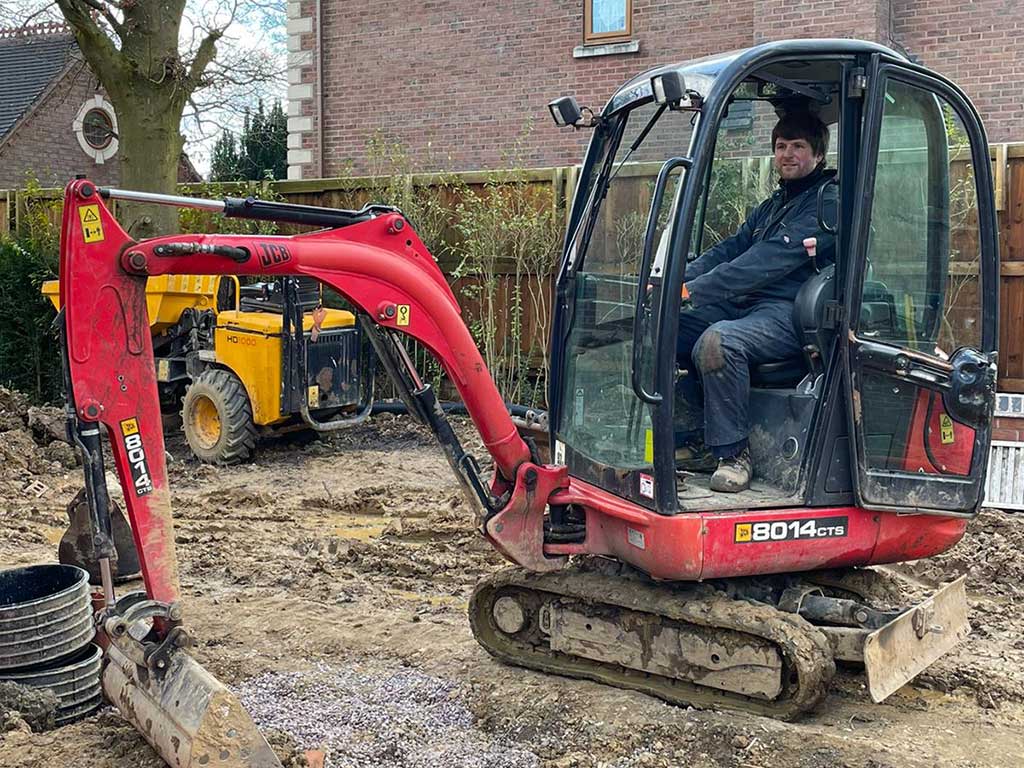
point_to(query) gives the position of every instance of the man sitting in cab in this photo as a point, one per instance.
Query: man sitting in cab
(738, 305)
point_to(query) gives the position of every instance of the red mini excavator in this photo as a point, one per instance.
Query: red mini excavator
(871, 447)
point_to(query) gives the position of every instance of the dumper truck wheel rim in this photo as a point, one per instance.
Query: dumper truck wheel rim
(217, 418)
(206, 422)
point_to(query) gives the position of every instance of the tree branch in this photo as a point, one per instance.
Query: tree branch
(102, 8)
(98, 49)
(207, 50)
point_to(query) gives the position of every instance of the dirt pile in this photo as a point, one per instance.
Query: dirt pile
(32, 439)
(38, 470)
(22, 707)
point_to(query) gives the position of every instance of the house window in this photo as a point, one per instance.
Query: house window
(607, 21)
(97, 128)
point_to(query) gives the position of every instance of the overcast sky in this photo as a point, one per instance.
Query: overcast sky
(257, 31)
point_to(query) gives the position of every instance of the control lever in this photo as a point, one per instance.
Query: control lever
(811, 244)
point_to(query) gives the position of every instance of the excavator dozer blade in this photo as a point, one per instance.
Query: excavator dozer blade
(910, 643)
(190, 718)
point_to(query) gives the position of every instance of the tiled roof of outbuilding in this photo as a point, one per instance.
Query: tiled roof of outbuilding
(30, 59)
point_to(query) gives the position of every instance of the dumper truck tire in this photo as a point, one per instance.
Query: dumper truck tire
(217, 418)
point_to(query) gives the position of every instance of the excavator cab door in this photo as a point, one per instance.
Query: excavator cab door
(921, 295)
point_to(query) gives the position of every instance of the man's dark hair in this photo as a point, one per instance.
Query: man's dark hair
(802, 125)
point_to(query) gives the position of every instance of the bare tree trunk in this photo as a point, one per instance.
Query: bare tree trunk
(149, 85)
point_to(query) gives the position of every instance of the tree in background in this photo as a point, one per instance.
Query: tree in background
(261, 151)
(158, 61)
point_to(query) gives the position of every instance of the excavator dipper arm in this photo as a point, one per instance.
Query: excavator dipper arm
(375, 260)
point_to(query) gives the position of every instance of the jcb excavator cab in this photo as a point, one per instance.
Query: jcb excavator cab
(889, 405)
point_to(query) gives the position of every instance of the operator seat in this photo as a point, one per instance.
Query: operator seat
(816, 340)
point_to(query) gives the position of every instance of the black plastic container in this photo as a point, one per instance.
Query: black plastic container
(45, 615)
(76, 682)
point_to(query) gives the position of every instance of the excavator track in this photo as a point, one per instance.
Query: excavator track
(688, 644)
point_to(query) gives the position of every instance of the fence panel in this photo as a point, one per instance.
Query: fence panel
(557, 185)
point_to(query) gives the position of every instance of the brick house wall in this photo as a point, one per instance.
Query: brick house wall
(458, 84)
(978, 46)
(44, 144)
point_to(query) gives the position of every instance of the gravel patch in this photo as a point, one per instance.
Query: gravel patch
(364, 718)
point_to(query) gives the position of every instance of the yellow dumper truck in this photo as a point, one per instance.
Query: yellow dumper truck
(242, 361)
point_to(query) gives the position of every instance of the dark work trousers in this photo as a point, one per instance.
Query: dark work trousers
(718, 344)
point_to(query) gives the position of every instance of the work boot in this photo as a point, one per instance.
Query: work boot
(695, 458)
(733, 474)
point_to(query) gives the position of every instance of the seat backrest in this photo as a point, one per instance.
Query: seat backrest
(809, 310)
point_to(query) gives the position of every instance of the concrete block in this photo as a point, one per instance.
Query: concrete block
(300, 26)
(297, 124)
(298, 58)
(294, 172)
(299, 156)
(295, 140)
(609, 49)
(299, 92)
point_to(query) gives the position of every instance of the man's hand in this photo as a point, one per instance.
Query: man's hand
(685, 301)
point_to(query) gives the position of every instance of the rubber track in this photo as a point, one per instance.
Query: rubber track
(238, 423)
(805, 650)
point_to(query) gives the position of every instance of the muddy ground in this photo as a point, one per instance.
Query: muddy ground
(328, 584)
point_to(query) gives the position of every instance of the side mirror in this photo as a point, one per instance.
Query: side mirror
(565, 111)
(668, 88)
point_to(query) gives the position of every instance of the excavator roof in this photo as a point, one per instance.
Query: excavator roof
(702, 73)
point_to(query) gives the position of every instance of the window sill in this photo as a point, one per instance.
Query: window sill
(605, 49)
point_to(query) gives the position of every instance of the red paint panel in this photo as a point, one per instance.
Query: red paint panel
(911, 537)
(950, 443)
(724, 556)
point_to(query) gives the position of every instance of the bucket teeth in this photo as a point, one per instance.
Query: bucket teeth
(189, 717)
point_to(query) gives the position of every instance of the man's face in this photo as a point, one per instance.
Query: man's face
(794, 158)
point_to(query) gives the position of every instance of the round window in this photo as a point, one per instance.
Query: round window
(97, 128)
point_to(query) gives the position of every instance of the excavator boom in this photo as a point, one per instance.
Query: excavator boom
(371, 257)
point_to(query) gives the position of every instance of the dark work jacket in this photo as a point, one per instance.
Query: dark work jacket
(766, 258)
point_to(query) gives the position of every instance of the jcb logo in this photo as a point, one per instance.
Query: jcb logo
(272, 254)
(136, 452)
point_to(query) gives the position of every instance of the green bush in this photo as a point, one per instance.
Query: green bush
(29, 355)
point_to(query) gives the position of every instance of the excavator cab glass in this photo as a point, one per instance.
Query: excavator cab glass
(907, 294)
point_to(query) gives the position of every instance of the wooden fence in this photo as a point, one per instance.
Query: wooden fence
(554, 187)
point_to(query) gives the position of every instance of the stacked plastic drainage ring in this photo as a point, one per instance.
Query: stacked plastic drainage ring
(46, 632)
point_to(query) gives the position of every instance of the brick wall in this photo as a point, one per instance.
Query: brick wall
(1008, 428)
(458, 84)
(977, 45)
(45, 144)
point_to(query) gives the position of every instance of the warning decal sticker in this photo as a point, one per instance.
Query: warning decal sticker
(789, 530)
(137, 463)
(403, 314)
(92, 227)
(946, 432)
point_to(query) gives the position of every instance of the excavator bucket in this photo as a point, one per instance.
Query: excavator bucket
(76, 547)
(188, 717)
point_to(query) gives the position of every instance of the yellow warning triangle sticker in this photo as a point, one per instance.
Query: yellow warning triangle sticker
(90, 216)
